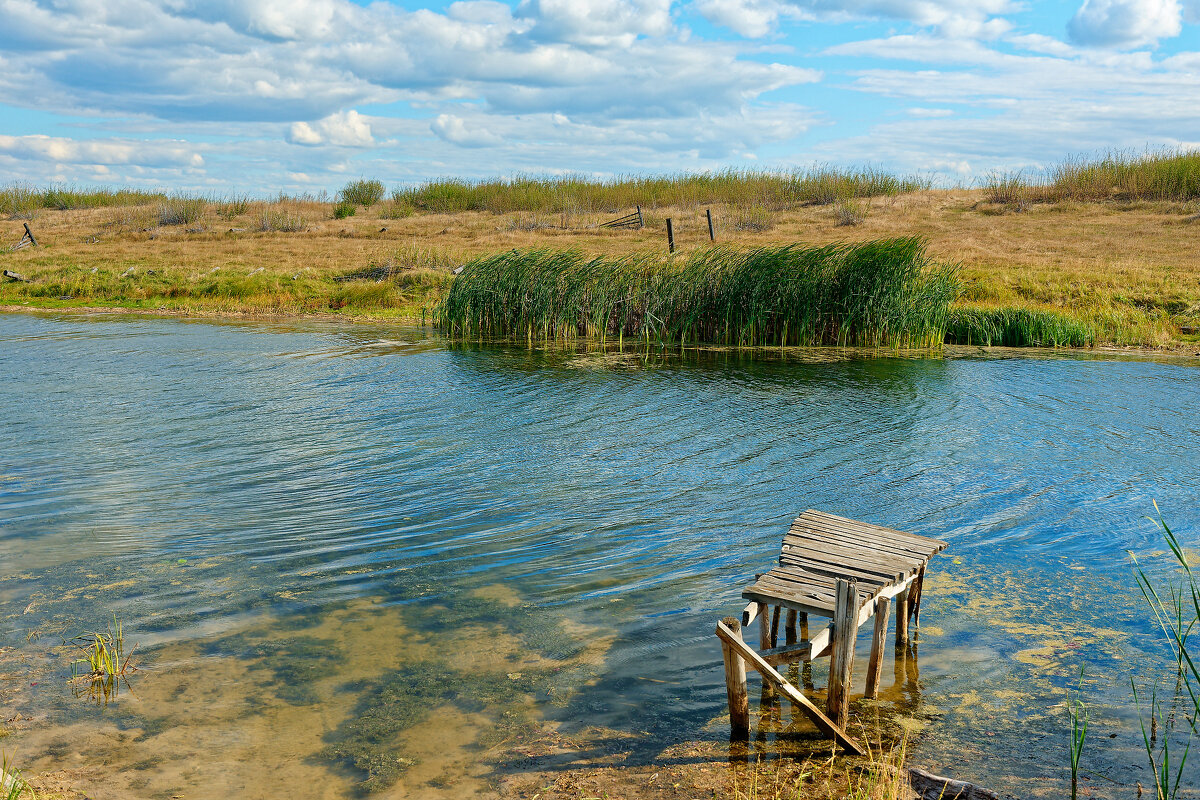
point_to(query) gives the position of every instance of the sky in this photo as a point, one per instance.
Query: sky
(300, 96)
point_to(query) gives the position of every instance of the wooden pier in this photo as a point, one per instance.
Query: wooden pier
(833, 567)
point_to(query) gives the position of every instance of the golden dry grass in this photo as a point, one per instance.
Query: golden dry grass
(1131, 269)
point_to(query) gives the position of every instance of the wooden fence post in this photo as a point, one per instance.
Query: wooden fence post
(641, 221)
(735, 684)
(712, 236)
(670, 236)
(845, 628)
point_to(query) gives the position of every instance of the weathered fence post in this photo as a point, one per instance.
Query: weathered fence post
(712, 236)
(845, 626)
(29, 233)
(902, 618)
(670, 236)
(735, 684)
(641, 221)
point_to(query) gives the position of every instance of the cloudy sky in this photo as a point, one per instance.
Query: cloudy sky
(302, 95)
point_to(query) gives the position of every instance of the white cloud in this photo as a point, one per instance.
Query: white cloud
(345, 129)
(596, 22)
(1125, 23)
(101, 151)
(956, 18)
(454, 129)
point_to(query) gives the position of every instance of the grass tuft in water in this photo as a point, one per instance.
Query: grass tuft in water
(104, 666)
(877, 293)
(12, 785)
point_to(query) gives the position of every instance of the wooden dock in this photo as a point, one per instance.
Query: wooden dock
(833, 567)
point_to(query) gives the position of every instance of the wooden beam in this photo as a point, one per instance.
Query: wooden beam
(793, 694)
(29, 233)
(878, 645)
(749, 614)
(845, 628)
(735, 683)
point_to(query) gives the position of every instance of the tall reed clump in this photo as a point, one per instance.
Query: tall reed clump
(362, 193)
(180, 210)
(1172, 175)
(1016, 327)
(877, 293)
(574, 194)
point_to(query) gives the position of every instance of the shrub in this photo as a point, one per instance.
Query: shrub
(362, 193)
(344, 209)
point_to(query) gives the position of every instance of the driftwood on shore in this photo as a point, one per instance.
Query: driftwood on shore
(934, 787)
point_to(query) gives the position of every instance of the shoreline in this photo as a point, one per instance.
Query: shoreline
(1177, 350)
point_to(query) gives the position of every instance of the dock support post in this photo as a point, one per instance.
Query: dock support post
(775, 627)
(789, 627)
(878, 645)
(902, 618)
(845, 626)
(764, 641)
(735, 685)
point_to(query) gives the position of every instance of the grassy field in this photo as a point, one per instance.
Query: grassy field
(1121, 271)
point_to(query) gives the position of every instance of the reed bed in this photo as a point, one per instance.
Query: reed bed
(22, 198)
(581, 194)
(876, 293)
(1159, 175)
(1017, 327)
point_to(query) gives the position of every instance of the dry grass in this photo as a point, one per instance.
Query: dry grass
(1129, 270)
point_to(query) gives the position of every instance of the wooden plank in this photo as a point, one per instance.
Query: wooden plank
(858, 543)
(13, 276)
(735, 683)
(878, 646)
(820, 642)
(823, 723)
(805, 537)
(872, 532)
(862, 560)
(748, 614)
(845, 629)
(879, 529)
(827, 565)
(788, 652)
(866, 535)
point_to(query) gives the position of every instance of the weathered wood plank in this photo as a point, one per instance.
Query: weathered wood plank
(862, 537)
(845, 628)
(878, 646)
(823, 723)
(870, 533)
(833, 518)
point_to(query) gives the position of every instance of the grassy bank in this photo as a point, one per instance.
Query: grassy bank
(1124, 273)
(875, 293)
(1156, 176)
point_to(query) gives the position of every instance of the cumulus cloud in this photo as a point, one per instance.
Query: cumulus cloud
(455, 130)
(596, 22)
(1125, 23)
(345, 129)
(969, 18)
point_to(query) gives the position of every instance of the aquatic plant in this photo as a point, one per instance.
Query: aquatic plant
(1176, 617)
(875, 293)
(1077, 711)
(12, 785)
(104, 665)
(1016, 327)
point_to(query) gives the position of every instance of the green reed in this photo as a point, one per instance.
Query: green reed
(104, 664)
(12, 785)
(1167, 174)
(577, 193)
(1176, 609)
(1016, 327)
(1078, 712)
(876, 293)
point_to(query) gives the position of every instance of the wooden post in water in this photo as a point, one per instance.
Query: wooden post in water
(712, 236)
(789, 627)
(902, 618)
(735, 684)
(878, 645)
(775, 627)
(764, 640)
(845, 626)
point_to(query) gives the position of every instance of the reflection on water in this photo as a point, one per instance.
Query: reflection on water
(356, 558)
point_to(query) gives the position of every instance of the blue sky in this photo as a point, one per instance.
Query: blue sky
(262, 96)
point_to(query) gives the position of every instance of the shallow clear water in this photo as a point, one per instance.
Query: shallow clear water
(286, 517)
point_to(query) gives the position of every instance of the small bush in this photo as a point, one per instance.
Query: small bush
(180, 211)
(282, 222)
(850, 212)
(362, 193)
(344, 209)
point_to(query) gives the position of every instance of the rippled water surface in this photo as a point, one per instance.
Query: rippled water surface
(358, 558)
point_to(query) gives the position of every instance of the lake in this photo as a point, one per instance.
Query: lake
(362, 558)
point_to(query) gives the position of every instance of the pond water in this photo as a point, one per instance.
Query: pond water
(359, 559)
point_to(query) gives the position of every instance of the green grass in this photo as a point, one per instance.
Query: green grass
(12, 785)
(362, 193)
(180, 210)
(1017, 327)
(878, 293)
(21, 198)
(1123, 176)
(577, 194)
